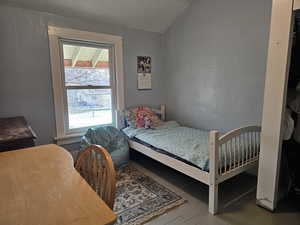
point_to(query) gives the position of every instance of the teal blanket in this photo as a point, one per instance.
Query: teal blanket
(188, 143)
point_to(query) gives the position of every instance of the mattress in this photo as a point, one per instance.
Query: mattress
(162, 151)
(186, 144)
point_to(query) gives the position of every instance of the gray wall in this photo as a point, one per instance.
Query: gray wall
(25, 76)
(209, 67)
(215, 63)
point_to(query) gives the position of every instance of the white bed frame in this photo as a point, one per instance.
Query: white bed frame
(236, 161)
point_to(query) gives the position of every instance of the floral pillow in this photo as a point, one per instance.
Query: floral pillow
(142, 117)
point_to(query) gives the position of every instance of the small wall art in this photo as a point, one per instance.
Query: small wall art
(144, 73)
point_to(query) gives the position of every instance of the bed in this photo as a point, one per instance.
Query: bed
(207, 156)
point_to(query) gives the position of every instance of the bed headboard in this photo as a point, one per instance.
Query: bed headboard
(161, 112)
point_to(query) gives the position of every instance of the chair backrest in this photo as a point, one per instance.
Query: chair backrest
(96, 167)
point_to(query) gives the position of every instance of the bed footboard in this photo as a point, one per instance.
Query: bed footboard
(231, 154)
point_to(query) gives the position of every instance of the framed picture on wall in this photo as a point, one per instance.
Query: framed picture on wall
(144, 73)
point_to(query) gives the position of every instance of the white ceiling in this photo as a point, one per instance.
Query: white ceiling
(150, 15)
(83, 53)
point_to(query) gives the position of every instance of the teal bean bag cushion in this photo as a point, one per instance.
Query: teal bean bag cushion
(113, 140)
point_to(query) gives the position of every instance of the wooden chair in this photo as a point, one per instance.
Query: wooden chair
(96, 167)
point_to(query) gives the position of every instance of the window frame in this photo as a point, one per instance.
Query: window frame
(58, 36)
(111, 86)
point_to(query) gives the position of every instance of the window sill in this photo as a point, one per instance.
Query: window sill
(68, 139)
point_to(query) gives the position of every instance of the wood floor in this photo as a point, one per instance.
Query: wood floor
(237, 200)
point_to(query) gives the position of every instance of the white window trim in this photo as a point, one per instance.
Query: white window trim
(56, 33)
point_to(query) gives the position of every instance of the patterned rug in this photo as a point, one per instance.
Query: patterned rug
(139, 198)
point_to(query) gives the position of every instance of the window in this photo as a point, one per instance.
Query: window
(87, 75)
(88, 84)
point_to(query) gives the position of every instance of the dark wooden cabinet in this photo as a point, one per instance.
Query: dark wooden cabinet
(15, 133)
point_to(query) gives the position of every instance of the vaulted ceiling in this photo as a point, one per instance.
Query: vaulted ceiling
(150, 15)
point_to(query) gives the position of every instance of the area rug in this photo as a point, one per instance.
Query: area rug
(139, 198)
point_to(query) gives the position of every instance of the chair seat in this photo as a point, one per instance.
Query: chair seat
(111, 139)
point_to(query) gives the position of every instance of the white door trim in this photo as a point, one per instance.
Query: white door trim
(274, 102)
(296, 4)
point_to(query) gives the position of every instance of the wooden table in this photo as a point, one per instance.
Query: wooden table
(39, 186)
